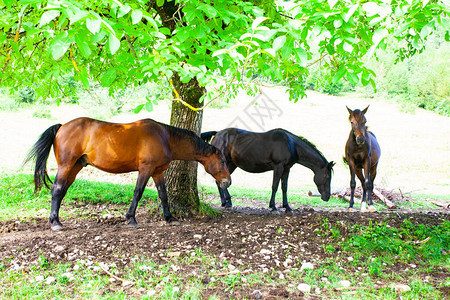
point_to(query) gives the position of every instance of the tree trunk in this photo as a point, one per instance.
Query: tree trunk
(181, 177)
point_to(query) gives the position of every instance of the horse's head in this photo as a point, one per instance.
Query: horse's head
(322, 179)
(215, 165)
(358, 121)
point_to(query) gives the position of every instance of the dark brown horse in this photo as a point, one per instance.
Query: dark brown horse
(276, 150)
(145, 146)
(362, 152)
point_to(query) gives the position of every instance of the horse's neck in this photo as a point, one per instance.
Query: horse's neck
(183, 149)
(309, 157)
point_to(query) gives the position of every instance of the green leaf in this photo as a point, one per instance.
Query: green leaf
(302, 55)
(83, 45)
(84, 77)
(332, 3)
(9, 3)
(339, 74)
(136, 16)
(278, 42)
(114, 44)
(60, 45)
(123, 10)
(148, 105)
(337, 23)
(160, 2)
(352, 78)
(350, 13)
(151, 21)
(416, 43)
(426, 30)
(269, 51)
(379, 35)
(220, 52)
(93, 25)
(347, 47)
(109, 77)
(138, 108)
(48, 16)
(79, 15)
(258, 21)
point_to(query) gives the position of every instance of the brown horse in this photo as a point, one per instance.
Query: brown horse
(145, 146)
(361, 152)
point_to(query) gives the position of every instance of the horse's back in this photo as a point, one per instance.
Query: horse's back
(112, 147)
(254, 151)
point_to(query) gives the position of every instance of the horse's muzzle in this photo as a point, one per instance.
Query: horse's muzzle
(360, 140)
(225, 184)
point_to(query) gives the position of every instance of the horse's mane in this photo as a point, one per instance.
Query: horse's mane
(314, 147)
(199, 145)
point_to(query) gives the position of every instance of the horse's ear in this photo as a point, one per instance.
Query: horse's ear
(349, 110)
(365, 109)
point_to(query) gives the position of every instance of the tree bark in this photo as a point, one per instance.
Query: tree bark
(181, 177)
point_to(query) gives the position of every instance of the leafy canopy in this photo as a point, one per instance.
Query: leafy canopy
(129, 43)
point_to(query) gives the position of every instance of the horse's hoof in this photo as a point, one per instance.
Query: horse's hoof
(133, 225)
(351, 209)
(175, 223)
(363, 207)
(372, 209)
(132, 222)
(289, 211)
(172, 221)
(57, 227)
(274, 211)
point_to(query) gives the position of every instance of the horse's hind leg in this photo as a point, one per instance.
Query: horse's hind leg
(284, 187)
(277, 173)
(162, 193)
(373, 174)
(64, 178)
(142, 180)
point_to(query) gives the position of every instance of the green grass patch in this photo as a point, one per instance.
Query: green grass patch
(17, 197)
(407, 243)
(240, 197)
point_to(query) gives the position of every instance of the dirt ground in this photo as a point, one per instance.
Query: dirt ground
(415, 149)
(249, 238)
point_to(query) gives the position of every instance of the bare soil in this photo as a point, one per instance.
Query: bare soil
(252, 239)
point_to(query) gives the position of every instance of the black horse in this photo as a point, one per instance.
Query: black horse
(276, 150)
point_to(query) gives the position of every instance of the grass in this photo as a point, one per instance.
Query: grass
(374, 251)
(17, 196)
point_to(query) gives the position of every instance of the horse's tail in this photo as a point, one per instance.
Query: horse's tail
(207, 136)
(39, 153)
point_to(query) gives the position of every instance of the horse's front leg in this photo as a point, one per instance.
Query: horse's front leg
(277, 172)
(284, 187)
(142, 180)
(359, 174)
(162, 193)
(225, 197)
(352, 168)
